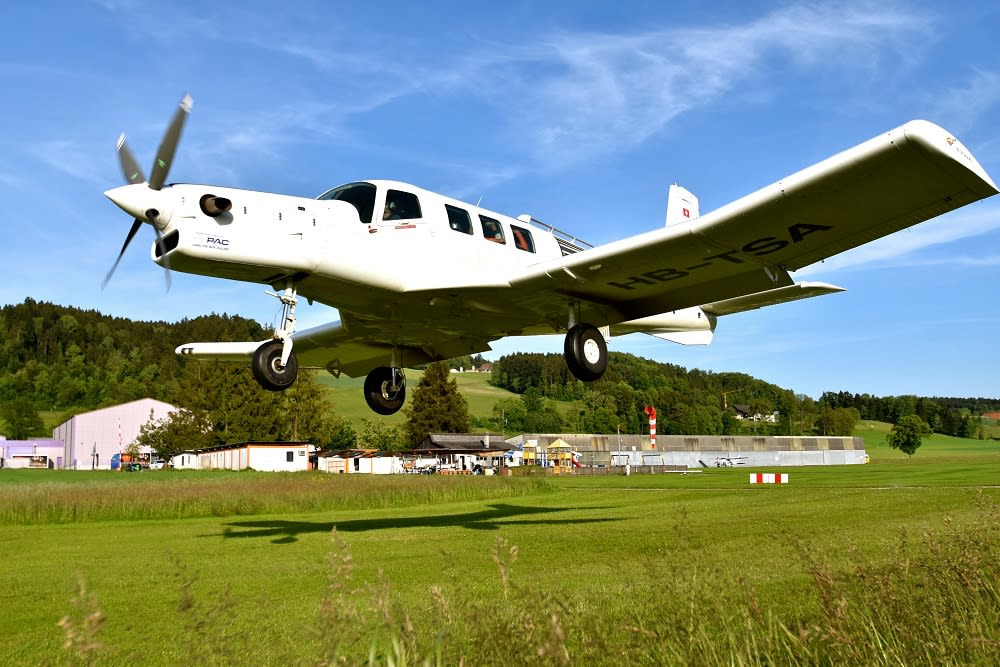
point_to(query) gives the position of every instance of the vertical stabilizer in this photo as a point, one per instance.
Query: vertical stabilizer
(682, 206)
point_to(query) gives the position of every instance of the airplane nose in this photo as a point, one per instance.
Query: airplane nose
(143, 203)
(133, 199)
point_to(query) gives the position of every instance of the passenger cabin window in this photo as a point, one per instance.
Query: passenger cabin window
(360, 195)
(401, 205)
(492, 230)
(458, 219)
(522, 238)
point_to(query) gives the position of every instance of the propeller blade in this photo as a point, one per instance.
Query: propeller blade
(162, 252)
(136, 224)
(165, 154)
(130, 167)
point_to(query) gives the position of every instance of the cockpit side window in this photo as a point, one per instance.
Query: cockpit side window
(401, 205)
(360, 195)
(458, 219)
(522, 238)
(492, 229)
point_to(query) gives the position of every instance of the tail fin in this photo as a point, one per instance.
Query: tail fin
(682, 206)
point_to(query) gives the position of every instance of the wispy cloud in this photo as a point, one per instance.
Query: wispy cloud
(69, 158)
(903, 248)
(966, 102)
(591, 94)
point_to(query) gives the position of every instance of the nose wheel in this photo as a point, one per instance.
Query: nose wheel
(385, 390)
(586, 352)
(268, 369)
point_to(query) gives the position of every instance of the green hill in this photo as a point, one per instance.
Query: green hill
(346, 395)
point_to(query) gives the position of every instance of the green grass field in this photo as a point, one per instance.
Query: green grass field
(894, 562)
(349, 403)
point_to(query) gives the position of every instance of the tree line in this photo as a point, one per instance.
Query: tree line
(58, 358)
(65, 358)
(696, 401)
(960, 417)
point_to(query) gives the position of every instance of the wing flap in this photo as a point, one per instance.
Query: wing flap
(803, 290)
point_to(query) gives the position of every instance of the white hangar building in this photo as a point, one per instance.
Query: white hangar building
(92, 438)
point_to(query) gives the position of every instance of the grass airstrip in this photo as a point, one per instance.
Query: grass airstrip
(896, 562)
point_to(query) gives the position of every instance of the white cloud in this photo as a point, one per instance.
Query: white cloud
(591, 94)
(966, 102)
(903, 248)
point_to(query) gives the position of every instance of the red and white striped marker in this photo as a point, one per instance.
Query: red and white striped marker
(651, 411)
(769, 478)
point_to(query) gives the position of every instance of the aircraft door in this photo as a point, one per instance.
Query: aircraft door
(303, 234)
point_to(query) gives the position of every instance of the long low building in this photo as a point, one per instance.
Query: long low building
(704, 451)
(262, 456)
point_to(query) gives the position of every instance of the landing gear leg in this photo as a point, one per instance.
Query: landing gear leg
(274, 365)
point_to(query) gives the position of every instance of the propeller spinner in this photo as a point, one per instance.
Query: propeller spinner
(135, 198)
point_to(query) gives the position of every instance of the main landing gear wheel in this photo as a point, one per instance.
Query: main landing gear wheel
(385, 390)
(586, 352)
(267, 368)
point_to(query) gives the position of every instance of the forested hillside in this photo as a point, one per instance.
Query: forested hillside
(694, 401)
(67, 360)
(60, 357)
(63, 359)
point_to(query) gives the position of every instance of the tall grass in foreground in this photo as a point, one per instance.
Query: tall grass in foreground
(934, 600)
(201, 494)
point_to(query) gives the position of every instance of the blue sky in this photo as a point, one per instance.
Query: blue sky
(580, 113)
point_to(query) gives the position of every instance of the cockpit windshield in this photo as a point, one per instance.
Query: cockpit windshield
(360, 195)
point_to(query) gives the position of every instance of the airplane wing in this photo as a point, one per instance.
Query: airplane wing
(896, 180)
(353, 346)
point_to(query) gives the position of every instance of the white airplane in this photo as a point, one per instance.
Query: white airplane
(419, 277)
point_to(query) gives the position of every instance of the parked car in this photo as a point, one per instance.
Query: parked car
(156, 464)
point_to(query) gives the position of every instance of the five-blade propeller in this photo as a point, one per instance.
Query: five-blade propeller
(161, 167)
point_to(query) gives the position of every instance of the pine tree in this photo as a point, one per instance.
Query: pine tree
(436, 406)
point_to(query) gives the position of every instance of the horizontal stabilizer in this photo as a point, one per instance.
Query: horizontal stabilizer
(772, 297)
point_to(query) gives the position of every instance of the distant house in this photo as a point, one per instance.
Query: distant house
(744, 411)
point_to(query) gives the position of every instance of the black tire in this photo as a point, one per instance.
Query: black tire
(267, 369)
(378, 392)
(586, 352)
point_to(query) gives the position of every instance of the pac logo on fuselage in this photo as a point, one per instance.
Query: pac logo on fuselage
(209, 241)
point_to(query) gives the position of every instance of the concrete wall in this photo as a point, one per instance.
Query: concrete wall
(697, 451)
